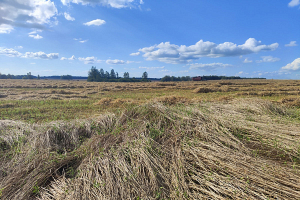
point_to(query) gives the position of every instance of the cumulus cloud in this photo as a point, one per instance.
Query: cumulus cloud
(115, 62)
(89, 60)
(37, 37)
(247, 61)
(96, 22)
(294, 3)
(68, 17)
(63, 58)
(268, 59)
(25, 13)
(9, 52)
(83, 41)
(208, 66)
(291, 44)
(135, 54)
(5, 28)
(40, 55)
(171, 53)
(111, 3)
(72, 58)
(295, 65)
(35, 55)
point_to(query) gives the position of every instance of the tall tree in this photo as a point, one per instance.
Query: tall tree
(112, 74)
(93, 74)
(145, 75)
(102, 74)
(126, 75)
(106, 74)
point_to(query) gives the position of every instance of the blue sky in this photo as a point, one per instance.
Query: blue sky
(170, 37)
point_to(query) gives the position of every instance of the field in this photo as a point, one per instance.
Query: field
(235, 139)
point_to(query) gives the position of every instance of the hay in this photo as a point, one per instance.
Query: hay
(233, 150)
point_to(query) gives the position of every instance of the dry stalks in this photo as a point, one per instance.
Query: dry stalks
(244, 149)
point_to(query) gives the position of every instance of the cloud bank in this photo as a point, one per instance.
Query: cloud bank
(34, 55)
(26, 14)
(171, 53)
(208, 66)
(110, 3)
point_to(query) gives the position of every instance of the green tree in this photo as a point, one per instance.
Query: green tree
(107, 75)
(112, 74)
(126, 75)
(145, 75)
(102, 74)
(93, 74)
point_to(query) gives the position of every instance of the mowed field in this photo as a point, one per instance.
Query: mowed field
(231, 139)
(48, 100)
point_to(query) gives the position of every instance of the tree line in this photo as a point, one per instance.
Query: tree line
(95, 75)
(173, 78)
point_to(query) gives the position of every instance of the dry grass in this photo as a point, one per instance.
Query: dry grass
(236, 149)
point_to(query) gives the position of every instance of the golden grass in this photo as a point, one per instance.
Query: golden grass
(238, 149)
(179, 140)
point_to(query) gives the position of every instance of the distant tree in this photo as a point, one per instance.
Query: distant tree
(66, 77)
(126, 75)
(112, 74)
(38, 77)
(29, 76)
(145, 75)
(93, 74)
(102, 74)
(117, 75)
(107, 75)
(9, 76)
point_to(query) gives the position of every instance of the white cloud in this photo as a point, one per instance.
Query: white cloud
(115, 62)
(35, 55)
(37, 37)
(83, 41)
(63, 58)
(111, 3)
(268, 59)
(152, 68)
(96, 22)
(68, 17)
(18, 47)
(291, 44)
(208, 66)
(295, 65)
(26, 13)
(5, 28)
(247, 61)
(72, 58)
(171, 53)
(135, 54)
(40, 55)
(294, 3)
(89, 60)
(9, 52)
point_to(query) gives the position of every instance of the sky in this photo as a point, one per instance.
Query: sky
(167, 37)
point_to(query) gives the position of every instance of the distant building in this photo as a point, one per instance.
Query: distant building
(197, 78)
